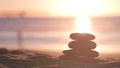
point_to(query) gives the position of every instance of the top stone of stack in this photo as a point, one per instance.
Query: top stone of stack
(82, 36)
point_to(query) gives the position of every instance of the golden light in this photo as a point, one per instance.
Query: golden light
(82, 9)
(78, 7)
(82, 25)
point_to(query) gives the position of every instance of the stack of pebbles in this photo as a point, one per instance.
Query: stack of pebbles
(81, 48)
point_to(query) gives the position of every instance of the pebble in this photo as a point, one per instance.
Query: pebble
(82, 45)
(82, 36)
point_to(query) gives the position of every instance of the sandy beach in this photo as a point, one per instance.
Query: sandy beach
(33, 59)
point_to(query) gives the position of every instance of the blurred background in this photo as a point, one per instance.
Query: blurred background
(45, 25)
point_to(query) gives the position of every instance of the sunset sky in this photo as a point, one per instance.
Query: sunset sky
(105, 30)
(63, 7)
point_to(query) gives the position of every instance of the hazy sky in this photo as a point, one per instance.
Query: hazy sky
(68, 7)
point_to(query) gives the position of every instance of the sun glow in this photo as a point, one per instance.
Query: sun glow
(82, 25)
(78, 7)
(82, 9)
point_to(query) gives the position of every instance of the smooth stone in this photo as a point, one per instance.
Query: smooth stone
(85, 45)
(90, 53)
(83, 36)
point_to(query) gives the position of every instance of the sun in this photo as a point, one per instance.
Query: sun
(78, 7)
(82, 25)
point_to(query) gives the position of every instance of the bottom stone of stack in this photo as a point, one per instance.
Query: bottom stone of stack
(89, 53)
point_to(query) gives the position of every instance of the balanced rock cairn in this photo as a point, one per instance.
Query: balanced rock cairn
(81, 48)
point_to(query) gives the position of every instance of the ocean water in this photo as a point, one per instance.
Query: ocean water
(53, 33)
(107, 34)
(39, 33)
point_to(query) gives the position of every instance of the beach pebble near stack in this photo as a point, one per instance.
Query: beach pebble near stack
(82, 36)
(81, 48)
